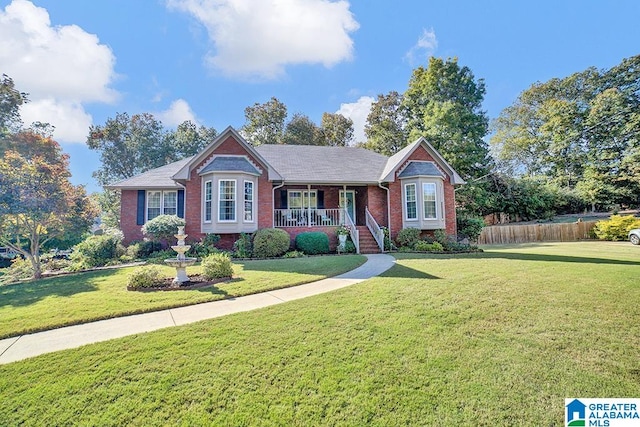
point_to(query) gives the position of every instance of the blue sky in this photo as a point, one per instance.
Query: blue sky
(206, 60)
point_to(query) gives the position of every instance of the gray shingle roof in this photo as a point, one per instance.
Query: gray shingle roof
(154, 178)
(328, 165)
(418, 168)
(230, 164)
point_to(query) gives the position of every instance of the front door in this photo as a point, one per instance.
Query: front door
(348, 200)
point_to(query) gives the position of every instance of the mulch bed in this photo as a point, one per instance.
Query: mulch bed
(195, 282)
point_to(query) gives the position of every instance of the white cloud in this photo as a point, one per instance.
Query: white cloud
(259, 38)
(178, 112)
(61, 67)
(424, 48)
(358, 112)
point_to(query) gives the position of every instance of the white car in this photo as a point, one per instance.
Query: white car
(634, 236)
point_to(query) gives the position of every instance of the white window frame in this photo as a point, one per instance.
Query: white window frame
(207, 204)
(304, 199)
(407, 201)
(235, 200)
(162, 208)
(425, 201)
(251, 201)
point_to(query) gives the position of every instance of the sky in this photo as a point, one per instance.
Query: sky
(82, 62)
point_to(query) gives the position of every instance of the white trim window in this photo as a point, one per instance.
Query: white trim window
(227, 200)
(429, 200)
(299, 199)
(248, 201)
(208, 198)
(161, 203)
(411, 203)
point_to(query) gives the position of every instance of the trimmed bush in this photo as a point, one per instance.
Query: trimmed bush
(408, 237)
(470, 228)
(243, 248)
(143, 249)
(217, 266)
(294, 254)
(205, 247)
(349, 247)
(313, 242)
(97, 251)
(162, 228)
(424, 246)
(616, 227)
(270, 242)
(145, 277)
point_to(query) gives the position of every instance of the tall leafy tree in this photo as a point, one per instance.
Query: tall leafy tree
(386, 127)
(444, 104)
(130, 145)
(38, 202)
(10, 101)
(265, 122)
(301, 130)
(336, 130)
(581, 131)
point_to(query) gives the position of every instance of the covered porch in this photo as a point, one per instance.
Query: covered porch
(299, 207)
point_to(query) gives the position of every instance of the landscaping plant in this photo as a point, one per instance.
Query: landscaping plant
(408, 237)
(145, 277)
(617, 227)
(163, 228)
(313, 242)
(217, 266)
(270, 242)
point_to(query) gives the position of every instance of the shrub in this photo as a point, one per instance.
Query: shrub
(97, 251)
(424, 246)
(20, 269)
(616, 227)
(408, 237)
(216, 266)
(143, 249)
(270, 242)
(145, 277)
(313, 242)
(294, 254)
(243, 248)
(160, 256)
(163, 228)
(470, 228)
(205, 247)
(349, 247)
(388, 244)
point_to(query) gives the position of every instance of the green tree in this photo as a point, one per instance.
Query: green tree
(336, 130)
(189, 139)
(578, 130)
(10, 101)
(265, 122)
(443, 103)
(302, 131)
(38, 202)
(386, 126)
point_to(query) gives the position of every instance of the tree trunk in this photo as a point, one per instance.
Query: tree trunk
(35, 264)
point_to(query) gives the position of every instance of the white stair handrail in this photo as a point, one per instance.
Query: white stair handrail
(374, 228)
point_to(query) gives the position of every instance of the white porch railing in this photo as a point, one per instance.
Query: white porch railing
(308, 217)
(374, 228)
(353, 230)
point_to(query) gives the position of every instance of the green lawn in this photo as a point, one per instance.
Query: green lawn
(79, 298)
(498, 338)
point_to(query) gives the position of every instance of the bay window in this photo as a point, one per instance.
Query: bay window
(227, 200)
(411, 203)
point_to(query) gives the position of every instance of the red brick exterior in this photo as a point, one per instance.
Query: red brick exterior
(378, 200)
(193, 193)
(395, 188)
(128, 214)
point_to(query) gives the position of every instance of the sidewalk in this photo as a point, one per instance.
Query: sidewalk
(22, 347)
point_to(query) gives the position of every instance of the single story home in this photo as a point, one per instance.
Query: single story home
(232, 187)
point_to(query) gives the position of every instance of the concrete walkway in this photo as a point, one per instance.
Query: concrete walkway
(25, 346)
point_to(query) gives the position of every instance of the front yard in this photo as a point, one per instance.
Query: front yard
(493, 338)
(83, 297)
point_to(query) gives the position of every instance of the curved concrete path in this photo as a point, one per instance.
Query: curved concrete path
(25, 346)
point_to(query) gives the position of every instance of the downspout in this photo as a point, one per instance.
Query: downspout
(388, 210)
(273, 203)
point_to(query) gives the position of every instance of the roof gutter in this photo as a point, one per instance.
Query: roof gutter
(273, 199)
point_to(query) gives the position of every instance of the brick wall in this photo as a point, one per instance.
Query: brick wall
(128, 214)
(396, 197)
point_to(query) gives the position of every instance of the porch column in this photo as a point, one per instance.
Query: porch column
(308, 205)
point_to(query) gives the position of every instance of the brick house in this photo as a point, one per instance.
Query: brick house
(232, 187)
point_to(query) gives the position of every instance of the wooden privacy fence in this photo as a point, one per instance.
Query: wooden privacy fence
(505, 234)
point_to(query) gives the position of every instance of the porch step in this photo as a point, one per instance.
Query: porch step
(368, 244)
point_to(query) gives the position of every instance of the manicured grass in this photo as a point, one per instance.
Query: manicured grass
(79, 298)
(494, 338)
